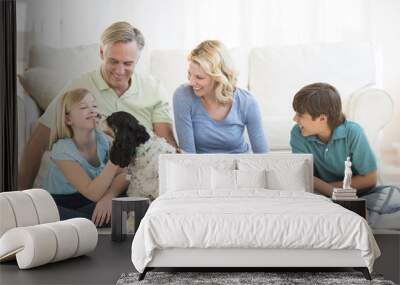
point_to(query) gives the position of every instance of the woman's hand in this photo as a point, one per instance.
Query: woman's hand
(102, 212)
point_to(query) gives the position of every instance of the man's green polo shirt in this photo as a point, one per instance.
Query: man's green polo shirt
(348, 139)
(144, 99)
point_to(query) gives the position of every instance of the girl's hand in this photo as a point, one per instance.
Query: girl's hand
(102, 212)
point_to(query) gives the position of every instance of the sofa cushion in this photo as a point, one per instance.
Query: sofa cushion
(42, 84)
(51, 68)
(70, 62)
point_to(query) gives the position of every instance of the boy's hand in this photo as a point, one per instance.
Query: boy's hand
(337, 184)
(323, 187)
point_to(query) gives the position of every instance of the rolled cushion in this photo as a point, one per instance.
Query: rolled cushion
(87, 235)
(26, 208)
(40, 244)
(23, 209)
(7, 220)
(45, 206)
(66, 237)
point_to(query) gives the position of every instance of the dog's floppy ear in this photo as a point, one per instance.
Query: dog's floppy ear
(141, 134)
(122, 150)
(129, 134)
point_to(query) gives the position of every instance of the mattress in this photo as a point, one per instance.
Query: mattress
(250, 218)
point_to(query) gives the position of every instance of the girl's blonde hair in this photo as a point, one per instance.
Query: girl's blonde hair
(59, 129)
(214, 59)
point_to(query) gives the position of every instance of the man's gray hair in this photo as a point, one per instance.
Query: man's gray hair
(121, 32)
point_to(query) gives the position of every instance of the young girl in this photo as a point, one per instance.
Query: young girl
(82, 179)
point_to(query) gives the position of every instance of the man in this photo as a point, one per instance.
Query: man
(116, 87)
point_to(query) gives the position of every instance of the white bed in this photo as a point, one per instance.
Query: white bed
(220, 211)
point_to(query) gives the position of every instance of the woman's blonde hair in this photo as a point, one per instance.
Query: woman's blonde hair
(214, 59)
(59, 129)
(121, 32)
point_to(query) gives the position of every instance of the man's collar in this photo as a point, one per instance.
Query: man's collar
(99, 80)
(102, 84)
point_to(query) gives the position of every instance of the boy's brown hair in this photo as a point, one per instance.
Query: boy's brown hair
(320, 99)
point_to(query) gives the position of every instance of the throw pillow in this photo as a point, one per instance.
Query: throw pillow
(42, 85)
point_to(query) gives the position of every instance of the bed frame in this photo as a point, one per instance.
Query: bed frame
(242, 259)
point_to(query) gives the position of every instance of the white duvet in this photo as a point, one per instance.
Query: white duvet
(250, 219)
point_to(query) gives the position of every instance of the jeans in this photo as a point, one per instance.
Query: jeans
(73, 206)
(382, 199)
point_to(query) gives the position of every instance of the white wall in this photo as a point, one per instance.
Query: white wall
(65, 23)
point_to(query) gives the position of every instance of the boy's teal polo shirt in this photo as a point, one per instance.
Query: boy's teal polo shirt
(348, 139)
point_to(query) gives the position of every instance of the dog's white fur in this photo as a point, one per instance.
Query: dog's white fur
(144, 172)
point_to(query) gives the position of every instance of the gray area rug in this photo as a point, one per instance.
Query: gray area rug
(269, 278)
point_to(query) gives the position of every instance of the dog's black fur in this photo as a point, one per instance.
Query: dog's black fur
(129, 134)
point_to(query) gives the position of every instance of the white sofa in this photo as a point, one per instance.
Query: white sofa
(272, 73)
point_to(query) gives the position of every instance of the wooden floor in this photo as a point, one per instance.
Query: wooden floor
(102, 266)
(110, 259)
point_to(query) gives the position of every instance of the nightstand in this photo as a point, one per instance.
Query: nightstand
(358, 206)
(120, 209)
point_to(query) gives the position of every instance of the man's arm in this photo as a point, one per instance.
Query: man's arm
(360, 182)
(164, 130)
(32, 156)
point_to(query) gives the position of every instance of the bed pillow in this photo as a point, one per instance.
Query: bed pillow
(281, 174)
(251, 178)
(226, 179)
(181, 177)
(223, 179)
(295, 180)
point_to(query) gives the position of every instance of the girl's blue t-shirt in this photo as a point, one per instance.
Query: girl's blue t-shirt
(65, 149)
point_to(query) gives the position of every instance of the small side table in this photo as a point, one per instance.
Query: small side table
(120, 208)
(358, 206)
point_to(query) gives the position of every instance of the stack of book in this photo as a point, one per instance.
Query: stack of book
(344, 194)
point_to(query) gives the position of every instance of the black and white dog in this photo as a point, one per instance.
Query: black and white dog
(135, 148)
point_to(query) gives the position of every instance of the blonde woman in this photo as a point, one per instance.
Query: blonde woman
(211, 113)
(82, 179)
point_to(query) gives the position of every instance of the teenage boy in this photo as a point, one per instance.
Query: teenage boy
(322, 130)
